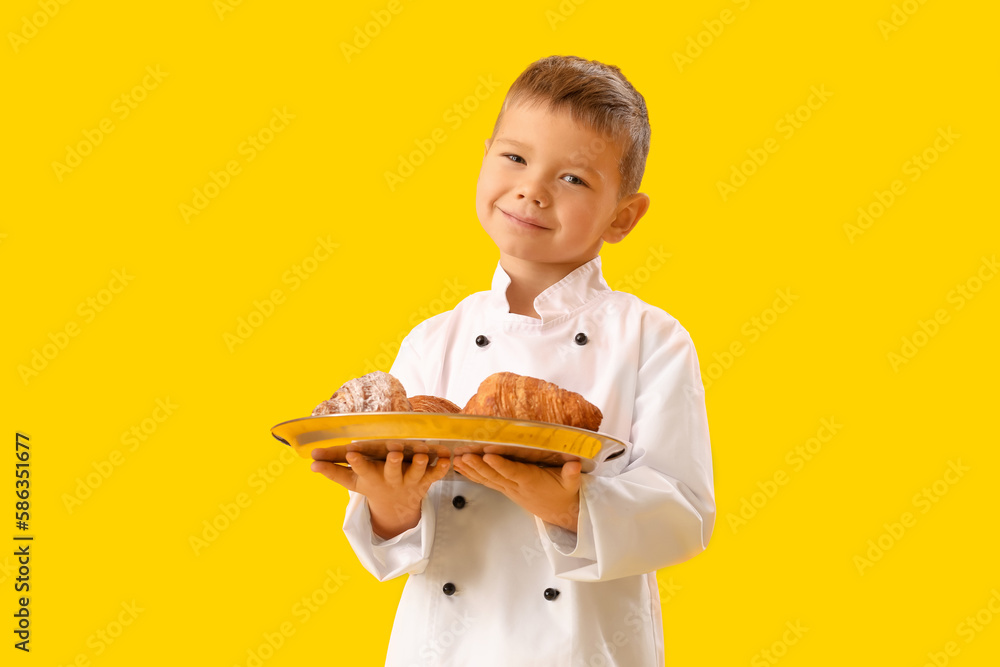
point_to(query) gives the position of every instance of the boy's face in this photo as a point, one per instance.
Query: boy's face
(548, 189)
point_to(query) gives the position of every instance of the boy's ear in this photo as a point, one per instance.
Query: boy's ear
(630, 211)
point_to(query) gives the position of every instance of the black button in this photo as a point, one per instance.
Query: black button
(581, 339)
(449, 588)
(458, 502)
(482, 341)
(551, 594)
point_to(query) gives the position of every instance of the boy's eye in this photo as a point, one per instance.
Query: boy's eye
(570, 178)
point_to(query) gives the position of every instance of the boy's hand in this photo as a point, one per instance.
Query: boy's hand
(552, 494)
(394, 489)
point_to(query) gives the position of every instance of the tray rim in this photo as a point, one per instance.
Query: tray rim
(602, 440)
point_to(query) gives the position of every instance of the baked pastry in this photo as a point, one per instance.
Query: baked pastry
(522, 397)
(423, 403)
(375, 392)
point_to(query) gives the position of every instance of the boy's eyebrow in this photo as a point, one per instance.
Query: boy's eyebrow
(512, 142)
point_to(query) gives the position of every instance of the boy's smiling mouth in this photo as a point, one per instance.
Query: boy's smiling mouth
(524, 221)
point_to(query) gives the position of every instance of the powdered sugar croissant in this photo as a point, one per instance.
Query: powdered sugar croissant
(375, 392)
(522, 397)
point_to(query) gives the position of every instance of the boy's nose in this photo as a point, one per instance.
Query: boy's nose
(532, 190)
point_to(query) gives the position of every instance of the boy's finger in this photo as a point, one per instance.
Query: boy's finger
(394, 468)
(339, 474)
(473, 477)
(360, 465)
(510, 470)
(486, 471)
(571, 475)
(439, 469)
(418, 464)
(322, 454)
(470, 474)
(434, 473)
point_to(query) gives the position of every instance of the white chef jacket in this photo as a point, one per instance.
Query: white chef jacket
(491, 584)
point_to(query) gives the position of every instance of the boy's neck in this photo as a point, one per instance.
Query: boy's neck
(529, 279)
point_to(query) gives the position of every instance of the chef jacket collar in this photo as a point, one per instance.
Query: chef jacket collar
(579, 287)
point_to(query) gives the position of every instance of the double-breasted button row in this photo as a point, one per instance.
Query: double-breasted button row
(549, 594)
(579, 339)
(449, 588)
(459, 503)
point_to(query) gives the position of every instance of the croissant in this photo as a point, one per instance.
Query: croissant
(522, 397)
(375, 392)
(423, 403)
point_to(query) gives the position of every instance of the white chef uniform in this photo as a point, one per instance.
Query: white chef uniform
(490, 584)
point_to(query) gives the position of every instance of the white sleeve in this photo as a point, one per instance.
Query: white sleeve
(660, 509)
(406, 553)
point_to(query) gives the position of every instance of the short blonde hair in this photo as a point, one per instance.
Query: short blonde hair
(596, 94)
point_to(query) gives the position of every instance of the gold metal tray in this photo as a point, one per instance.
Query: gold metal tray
(375, 434)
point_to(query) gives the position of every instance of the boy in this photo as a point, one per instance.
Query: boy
(512, 564)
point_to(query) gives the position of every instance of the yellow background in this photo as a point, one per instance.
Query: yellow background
(399, 251)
